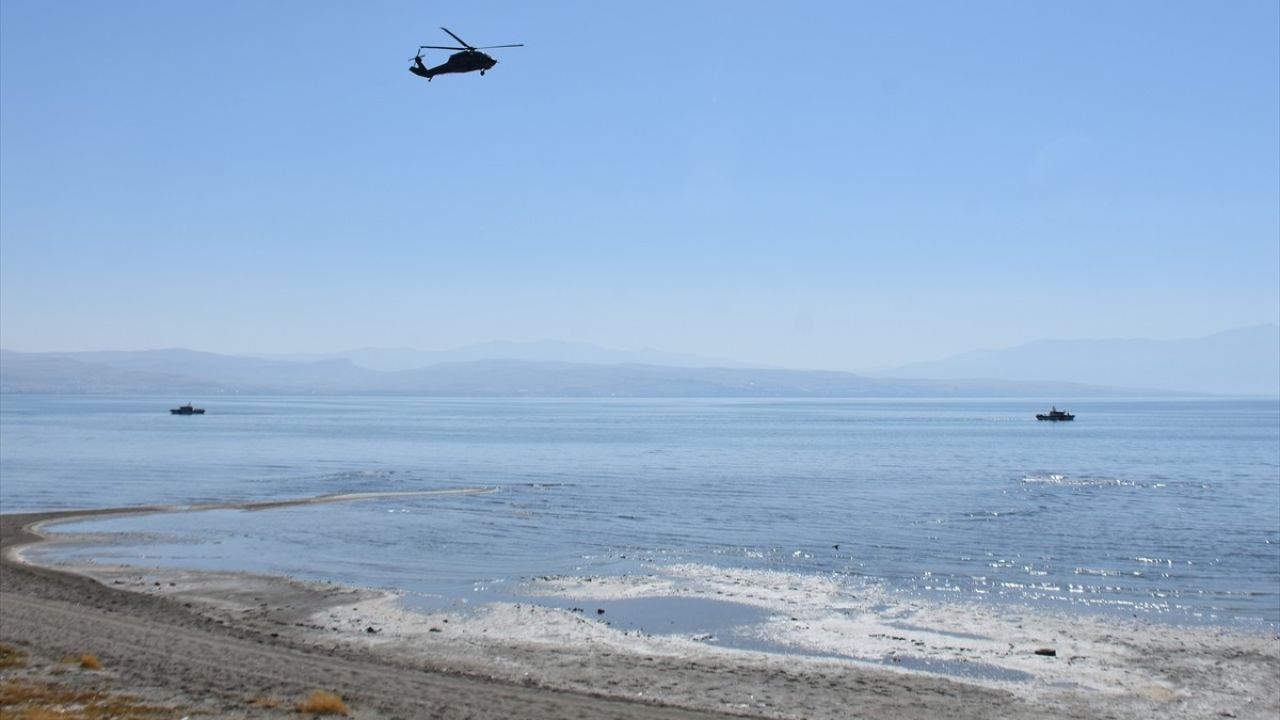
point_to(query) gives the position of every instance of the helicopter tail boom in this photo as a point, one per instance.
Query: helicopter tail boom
(419, 69)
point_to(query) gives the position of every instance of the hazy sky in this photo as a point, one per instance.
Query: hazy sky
(835, 184)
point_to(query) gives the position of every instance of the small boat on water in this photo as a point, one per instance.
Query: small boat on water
(187, 409)
(1056, 415)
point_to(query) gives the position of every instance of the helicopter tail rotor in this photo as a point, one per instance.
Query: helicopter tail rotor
(418, 68)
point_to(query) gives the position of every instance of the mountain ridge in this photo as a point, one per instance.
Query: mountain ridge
(402, 358)
(191, 373)
(1239, 361)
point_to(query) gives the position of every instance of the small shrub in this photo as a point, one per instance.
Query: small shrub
(322, 702)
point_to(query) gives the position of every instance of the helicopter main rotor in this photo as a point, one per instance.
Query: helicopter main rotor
(465, 45)
(455, 37)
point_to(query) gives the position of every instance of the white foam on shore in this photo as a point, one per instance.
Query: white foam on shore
(819, 619)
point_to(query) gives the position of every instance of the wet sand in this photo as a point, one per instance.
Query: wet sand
(231, 644)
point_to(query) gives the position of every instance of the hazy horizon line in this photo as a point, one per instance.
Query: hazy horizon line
(277, 354)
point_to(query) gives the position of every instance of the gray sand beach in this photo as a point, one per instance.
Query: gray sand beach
(238, 646)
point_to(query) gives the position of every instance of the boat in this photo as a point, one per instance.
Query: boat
(1056, 415)
(187, 409)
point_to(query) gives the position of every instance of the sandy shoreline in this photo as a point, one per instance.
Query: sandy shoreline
(216, 642)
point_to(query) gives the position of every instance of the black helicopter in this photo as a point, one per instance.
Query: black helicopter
(469, 59)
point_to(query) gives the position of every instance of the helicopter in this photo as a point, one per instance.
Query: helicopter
(469, 59)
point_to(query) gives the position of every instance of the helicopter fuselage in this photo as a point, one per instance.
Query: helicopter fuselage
(459, 62)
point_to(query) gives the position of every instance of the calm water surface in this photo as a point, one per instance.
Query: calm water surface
(1169, 509)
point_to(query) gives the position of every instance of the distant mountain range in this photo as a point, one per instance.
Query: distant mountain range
(187, 374)
(393, 359)
(1245, 361)
(1240, 362)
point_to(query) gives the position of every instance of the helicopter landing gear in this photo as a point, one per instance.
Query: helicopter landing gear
(481, 73)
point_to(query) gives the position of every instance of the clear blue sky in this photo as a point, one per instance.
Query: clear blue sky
(837, 185)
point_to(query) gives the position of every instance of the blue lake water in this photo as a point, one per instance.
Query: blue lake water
(1167, 509)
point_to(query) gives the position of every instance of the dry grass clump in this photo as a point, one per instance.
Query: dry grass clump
(11, 657)
(88, 661)
(41, 714)
(32, 700)
(264, 702)
(323, 702)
